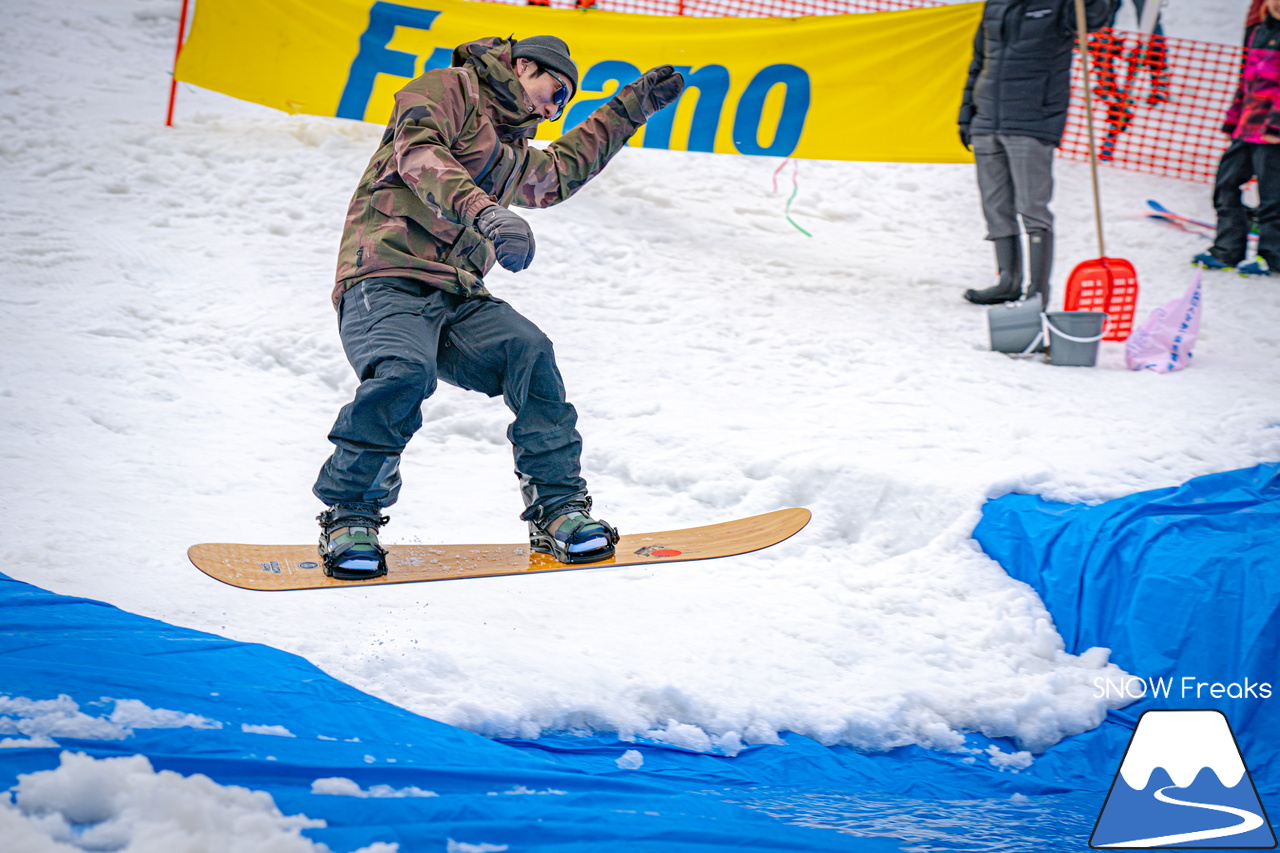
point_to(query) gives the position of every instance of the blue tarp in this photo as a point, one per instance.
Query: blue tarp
(52, 645)
(1182, 584)
(1178, 582)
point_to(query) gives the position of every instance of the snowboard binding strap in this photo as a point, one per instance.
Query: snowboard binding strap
(569, 533)
(349, 543)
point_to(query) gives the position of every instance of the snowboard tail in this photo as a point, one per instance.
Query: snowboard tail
(283, 567)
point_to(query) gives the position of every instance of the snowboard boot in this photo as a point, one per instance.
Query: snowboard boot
(349, 542)
(567, 532)
(1209, 261)
(1009, 263)
(1257, 266)
(1039, 264)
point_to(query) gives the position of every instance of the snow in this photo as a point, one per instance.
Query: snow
(172, 367)
(340, 786)
(62, 716)
(630, 760)
(124, 804)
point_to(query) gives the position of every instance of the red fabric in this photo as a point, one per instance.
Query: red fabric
(1255, 13)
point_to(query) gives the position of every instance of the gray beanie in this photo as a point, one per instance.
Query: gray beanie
(549, 52)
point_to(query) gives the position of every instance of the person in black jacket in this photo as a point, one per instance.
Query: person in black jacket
(1012, 116)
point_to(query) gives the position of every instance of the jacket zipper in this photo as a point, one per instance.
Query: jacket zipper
(1004, 34)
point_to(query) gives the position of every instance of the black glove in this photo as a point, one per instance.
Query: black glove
(511, 236)
(965, 139)
(657, 88)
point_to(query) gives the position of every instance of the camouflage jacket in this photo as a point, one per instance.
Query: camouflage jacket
(458, 142)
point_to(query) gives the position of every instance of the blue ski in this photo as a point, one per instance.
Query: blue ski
(1186, 223)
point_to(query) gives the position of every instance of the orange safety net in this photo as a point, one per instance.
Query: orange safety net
(733, 8)
(1158, 101)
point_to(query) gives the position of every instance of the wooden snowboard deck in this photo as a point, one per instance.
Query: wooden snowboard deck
(282, 567)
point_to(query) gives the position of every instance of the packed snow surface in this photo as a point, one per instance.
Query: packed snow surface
(172, 365)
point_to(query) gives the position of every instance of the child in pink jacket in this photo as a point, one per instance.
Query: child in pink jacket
(1253, 120)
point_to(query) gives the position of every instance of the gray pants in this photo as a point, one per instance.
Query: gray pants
(400, 337)
(1015, 177)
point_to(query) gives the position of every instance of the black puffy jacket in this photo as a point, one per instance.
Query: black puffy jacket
(1020, 78)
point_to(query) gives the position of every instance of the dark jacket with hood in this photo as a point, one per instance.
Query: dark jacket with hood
(1020, 78)
(458, 142)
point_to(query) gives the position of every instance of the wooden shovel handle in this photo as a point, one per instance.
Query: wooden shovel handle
(1082, 32)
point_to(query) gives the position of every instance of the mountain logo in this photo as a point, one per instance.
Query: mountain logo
(1183, 783)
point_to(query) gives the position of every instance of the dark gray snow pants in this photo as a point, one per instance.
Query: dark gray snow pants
(400, 337)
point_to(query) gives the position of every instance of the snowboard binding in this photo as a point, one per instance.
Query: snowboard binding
(349, 542)
(568, 532)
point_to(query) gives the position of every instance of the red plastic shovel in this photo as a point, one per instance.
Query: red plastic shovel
(1102, 284)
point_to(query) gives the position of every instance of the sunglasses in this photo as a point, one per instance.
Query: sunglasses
(561, 96)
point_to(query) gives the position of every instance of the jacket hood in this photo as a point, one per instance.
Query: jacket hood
(504, 98)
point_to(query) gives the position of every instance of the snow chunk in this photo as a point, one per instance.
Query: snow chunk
(461, 847)
(276, 731)
(630, 760)
(48, 718)
(124, 804)
(340, 786)
(41, 720)
(1020, 760)
(134, 714)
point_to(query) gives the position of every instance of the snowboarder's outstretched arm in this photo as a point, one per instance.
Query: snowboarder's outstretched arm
(552, 175)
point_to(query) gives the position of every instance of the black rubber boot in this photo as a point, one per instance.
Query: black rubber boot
(1009, 263)
(1039, 264)
(349, 542)
(567, 532)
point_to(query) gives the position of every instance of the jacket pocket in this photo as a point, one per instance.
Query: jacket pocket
(470, 252)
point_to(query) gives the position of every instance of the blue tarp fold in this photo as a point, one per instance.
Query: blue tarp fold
(1182, 584)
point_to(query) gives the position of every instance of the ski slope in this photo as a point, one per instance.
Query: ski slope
(172, 365)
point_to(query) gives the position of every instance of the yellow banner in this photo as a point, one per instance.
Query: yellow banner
(882, 86)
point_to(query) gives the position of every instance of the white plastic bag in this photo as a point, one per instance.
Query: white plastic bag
(1163, 343)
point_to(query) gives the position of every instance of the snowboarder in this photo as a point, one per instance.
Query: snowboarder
(1012, 115)
(428, 220)
(1253, 120)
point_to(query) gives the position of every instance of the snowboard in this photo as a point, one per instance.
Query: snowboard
(281, 567)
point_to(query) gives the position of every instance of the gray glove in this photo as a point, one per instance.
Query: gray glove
(511, 236)
(655, 89)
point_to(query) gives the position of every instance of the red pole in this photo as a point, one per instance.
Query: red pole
(177, 51)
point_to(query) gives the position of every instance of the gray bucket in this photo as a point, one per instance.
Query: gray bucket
(1074, 336)
(1015, 327)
